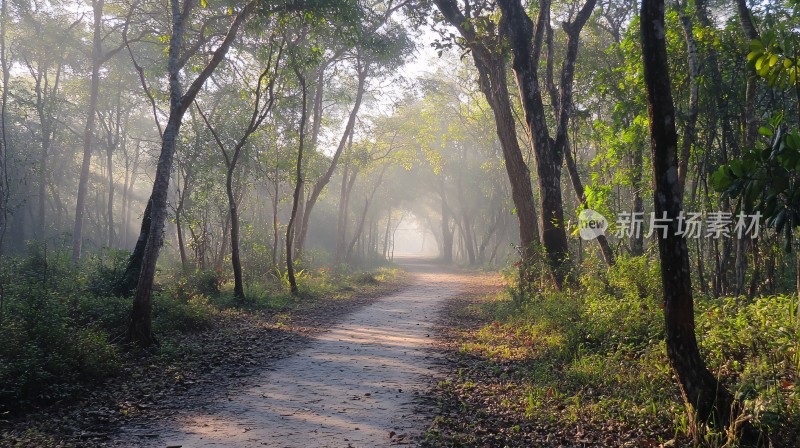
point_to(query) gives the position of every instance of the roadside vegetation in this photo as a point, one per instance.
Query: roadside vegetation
(587, 367)
(61, 328)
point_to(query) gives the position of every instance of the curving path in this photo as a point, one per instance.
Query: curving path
(359, 384)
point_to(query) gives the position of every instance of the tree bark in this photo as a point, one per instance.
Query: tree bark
(140, 328)
(525, 42)
(493, 84)
(298, 189)
(705, 398)
(236, 262)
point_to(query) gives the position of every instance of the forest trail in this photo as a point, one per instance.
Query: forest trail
(360, 384)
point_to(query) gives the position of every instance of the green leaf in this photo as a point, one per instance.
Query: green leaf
(760, 62)
(773, 60)
(763, 130)
(720, 179)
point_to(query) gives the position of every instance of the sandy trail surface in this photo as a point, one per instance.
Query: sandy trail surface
(360, 384)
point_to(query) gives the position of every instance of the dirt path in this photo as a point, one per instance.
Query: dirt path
(357, 385)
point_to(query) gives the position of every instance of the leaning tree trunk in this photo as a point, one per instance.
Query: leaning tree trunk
(707, 401)
(140, 328)
(493, 84)
(127, 282)
(322, 182)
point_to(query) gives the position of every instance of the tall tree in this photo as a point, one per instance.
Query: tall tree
(489, 55)
(525, 41)
(140, 328)
(298, 189)
(99, 56)
(5, 72)
(264, 100)
(707, 401)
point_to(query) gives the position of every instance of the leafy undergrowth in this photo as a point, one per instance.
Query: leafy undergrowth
(65, 380)
(588, 368)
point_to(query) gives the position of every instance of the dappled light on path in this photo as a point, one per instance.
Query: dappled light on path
(359, 384)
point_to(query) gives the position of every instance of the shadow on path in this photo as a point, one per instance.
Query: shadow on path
(357, 384)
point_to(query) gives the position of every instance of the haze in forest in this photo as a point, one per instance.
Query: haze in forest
(601, 193)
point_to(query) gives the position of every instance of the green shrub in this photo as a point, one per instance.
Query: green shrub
(205, 283)
(95, 357)
(366, 278)
(623, 304)
(106, 270)
(50, 346)
(605, 340)
(176, 314)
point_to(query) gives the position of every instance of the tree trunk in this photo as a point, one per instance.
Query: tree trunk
(466, 228)
(323, 181)
(140, 328)
(6, 74)
(319, 91)
(750, 137)
(238, 282)
(127, 283)
(447, 232)
(224, 241)
(275, 221)
(298, 189)
(178, 212)
(344, 202)
(637, 238)
(181, 243)
(488, 236)
(705, 398)
(690, 131)
(386, 235)
(88, 136)
(360, 227)
(493, 84)
(525, 42)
